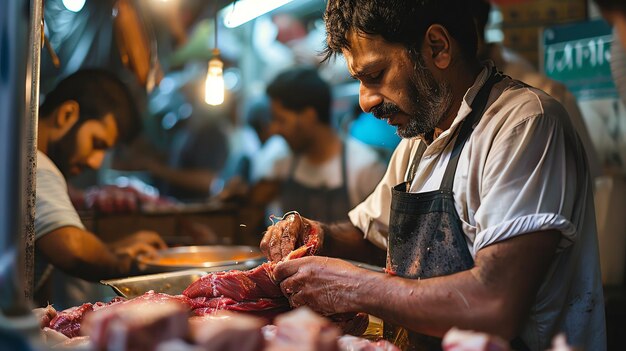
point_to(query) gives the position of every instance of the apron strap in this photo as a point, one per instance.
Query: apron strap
(421, 148)
(479, 105)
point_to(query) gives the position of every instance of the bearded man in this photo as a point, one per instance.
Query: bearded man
(87, 113)
(486, 209)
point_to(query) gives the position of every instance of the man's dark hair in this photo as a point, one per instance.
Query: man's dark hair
(302, 87)
(97, 92)
(612, 5)
(398, 21)
(480, 11)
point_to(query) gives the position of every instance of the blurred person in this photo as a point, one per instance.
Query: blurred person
(517, 67)
(614, 11)
(194, 158)
(318, 179)
(86, 114)
(272, 146)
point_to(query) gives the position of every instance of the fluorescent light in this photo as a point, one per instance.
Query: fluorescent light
(246, 10)
(74, 5)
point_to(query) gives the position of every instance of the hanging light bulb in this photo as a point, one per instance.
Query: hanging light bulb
(214, 84)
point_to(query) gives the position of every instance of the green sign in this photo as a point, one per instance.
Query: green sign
(578, 55)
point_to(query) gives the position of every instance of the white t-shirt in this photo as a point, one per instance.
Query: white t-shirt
(53, 208)
(521, 171)
(363, 167)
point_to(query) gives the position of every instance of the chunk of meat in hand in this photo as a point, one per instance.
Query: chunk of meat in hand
(290, 233)
(237, 285)
(227, 331)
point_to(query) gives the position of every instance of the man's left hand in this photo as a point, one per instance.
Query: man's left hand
(326, 285)
(143, 242)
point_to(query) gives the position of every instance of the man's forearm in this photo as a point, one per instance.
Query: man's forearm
(495, 296)
(344, 240)
(433, 306)
(82, 254)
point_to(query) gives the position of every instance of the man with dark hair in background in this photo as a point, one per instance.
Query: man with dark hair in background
(486, 210)
(87, 113)
(325, 176)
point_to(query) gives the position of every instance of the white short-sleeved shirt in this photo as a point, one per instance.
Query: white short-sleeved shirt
(521, 171)
(363, 169)
(53, 208)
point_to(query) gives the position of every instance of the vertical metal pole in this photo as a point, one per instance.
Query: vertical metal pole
(29, 160)
(18, 327)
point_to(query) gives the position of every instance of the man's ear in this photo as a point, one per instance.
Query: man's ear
(64, 118)
(438, 45)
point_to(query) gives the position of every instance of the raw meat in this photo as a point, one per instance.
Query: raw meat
(463, 340)
(353, 343)
(254, 291)
(79, 342)
(226, 331)
(68, 321)
(302, 329)
(237, 285)
(265, 308)
(52, 337)
(45, 315)
(138, 324)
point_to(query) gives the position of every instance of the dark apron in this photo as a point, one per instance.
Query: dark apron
(321, 204)
(426, 238)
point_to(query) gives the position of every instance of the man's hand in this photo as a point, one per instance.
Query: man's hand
(142, 242)
(326, 285)
(288, 234)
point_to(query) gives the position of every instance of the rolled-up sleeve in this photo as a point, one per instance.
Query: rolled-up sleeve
(372, 215)
(529, 181)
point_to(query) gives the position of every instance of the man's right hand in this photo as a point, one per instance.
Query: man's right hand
(290, 233)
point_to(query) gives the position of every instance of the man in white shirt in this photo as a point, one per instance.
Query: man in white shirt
(87, 113)
(324, 176)
(486, 209)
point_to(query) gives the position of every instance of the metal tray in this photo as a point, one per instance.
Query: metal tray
(202, 258)
(172, 283)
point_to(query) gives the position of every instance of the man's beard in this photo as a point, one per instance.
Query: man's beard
(62, 151)
(429, 102)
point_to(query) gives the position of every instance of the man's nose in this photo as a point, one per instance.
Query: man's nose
(368, 98)
(94, 161)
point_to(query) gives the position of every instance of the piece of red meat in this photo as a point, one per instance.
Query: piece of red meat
(68, 321)
(225, 331)
(237, 285)
(263, 308)
(255, 283)
(139, 324)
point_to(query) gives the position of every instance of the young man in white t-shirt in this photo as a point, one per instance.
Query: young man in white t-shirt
(86, 114)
